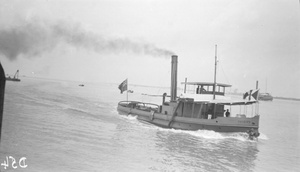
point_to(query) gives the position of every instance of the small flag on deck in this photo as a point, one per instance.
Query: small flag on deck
(123, 86)
(251, 94)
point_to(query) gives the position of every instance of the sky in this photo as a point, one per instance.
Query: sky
(111, 40)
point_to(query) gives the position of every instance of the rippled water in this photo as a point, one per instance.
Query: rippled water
(59, 126)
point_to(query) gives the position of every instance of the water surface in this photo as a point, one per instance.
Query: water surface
(59, 126)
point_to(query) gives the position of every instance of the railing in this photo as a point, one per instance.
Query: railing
(140, 105)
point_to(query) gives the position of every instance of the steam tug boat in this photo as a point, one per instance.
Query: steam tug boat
(201, 109)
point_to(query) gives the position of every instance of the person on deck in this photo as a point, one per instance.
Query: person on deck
(227, 114)
(202, 90)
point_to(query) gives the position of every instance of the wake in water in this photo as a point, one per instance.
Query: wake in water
(129, 117)
(207, 134)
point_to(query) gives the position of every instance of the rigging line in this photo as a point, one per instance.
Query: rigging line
(227, 80)
(224, 73)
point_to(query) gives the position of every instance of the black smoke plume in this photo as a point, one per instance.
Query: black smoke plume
(36, 37)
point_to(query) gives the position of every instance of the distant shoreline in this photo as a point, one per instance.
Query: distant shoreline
(275, 97)
(281, 98)
(286, 98)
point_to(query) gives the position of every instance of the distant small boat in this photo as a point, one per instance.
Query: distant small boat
(81, 85)
(15, 78)
(265, 97)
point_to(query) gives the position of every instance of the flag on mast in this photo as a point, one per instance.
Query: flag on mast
(123, 86)
(252, 94)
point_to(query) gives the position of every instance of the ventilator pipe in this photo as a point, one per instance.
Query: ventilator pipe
(164, 98)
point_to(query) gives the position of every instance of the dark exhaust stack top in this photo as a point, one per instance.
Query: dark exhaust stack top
(174, 77)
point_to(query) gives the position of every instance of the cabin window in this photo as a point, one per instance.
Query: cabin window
(208, 88)
(222, 90)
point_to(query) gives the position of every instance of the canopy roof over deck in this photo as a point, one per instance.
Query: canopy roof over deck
(233, 102)
(206, 84)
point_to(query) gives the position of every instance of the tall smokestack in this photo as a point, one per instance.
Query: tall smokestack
(174, 78)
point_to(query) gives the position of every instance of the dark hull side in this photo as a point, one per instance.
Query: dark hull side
(219, 124)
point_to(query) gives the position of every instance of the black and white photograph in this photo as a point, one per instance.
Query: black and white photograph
(149, 85)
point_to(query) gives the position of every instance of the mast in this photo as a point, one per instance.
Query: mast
(215, 75)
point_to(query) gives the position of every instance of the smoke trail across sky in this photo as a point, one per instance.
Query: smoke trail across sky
(36, 37)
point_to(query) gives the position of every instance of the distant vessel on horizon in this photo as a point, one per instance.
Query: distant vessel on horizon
(15, 78)
(265, 96)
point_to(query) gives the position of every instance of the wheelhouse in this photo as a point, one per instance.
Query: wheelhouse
(204, 88)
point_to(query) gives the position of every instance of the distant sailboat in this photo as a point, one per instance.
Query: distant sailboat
(15, 78)
(265, 96)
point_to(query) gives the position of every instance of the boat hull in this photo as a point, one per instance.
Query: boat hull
(219, 124)
(266, 98)
(13, 79)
